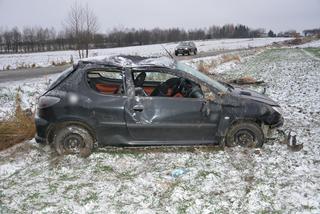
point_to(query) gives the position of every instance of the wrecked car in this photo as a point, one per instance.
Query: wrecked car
(138, 101)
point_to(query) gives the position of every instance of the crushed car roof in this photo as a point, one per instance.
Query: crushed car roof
(131, 61)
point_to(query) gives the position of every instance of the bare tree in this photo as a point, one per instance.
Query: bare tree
(91, 27)
(82, 25)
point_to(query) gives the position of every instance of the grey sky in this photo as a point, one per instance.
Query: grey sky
(278, 15)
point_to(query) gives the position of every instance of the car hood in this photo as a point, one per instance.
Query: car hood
(253, 95)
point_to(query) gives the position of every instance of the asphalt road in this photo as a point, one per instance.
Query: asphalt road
(22, 74)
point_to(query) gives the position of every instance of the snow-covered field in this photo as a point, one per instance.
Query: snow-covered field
(46, 59)
(313, 44)
(29, 90)
(273, 179)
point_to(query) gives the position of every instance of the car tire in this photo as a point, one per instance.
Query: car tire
(73, 139)
(195, 52)
(245, 134)
(188, 53)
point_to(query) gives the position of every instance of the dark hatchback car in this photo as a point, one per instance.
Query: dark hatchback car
(136, 101)
(186, 48)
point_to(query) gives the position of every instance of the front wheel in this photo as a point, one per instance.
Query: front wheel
(73, 139)
(245, 134)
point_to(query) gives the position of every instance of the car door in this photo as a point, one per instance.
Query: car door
(107, 101)
(171, 119)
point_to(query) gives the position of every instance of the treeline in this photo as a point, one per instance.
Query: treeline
(35, 39)
(38, 39)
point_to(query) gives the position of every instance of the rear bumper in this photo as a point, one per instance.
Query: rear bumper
(41, 126)
(40, 140)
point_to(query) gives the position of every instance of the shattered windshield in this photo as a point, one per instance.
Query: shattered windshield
(183, 67)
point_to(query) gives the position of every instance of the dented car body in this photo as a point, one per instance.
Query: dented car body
(126, 100)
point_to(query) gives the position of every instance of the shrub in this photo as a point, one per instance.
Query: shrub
(206, 67)
(203, 67)
(229, 58)
(18, 128)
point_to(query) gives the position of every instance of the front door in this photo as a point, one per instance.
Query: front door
(184, 120)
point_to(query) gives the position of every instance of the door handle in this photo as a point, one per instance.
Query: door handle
(138, 108)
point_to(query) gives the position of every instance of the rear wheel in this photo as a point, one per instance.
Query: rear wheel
(73, 139)
(245, 134)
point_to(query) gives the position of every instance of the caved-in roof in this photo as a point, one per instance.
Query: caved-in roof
(131, 61)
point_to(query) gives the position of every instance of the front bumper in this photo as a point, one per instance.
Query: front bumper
(269, 131)
(182, 51)
(278, 124)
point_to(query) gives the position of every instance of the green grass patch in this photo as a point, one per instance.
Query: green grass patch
(204, 174)
(314, 51)
(91, 197)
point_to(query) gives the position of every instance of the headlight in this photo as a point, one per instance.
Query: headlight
(277, 109)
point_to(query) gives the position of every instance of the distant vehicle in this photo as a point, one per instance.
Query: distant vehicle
(186, 48)
(138, 101)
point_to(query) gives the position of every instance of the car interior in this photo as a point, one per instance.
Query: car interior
(147, 83)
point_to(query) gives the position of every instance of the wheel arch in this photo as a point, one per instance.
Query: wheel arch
(55, 126)
(225, 126)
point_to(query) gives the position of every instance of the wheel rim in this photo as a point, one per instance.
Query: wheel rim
(245, 138)
(73, 143)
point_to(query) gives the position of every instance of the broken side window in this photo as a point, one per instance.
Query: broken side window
(106, 81)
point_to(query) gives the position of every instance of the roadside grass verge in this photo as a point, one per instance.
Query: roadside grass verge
(207, 67)
(24, 65)
(229, 58)
(17, 128)
(314, 51)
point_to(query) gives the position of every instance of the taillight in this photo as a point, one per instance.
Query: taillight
(47, 101)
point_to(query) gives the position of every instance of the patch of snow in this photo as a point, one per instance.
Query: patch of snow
(46, 59)
(29, 91)
(312, 44)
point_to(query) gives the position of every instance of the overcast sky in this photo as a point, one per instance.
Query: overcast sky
(278, 15)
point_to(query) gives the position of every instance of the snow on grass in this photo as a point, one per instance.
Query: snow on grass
(237, 180)
(29, 90)
(312, 44)
(45, 59)
(224, 62)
